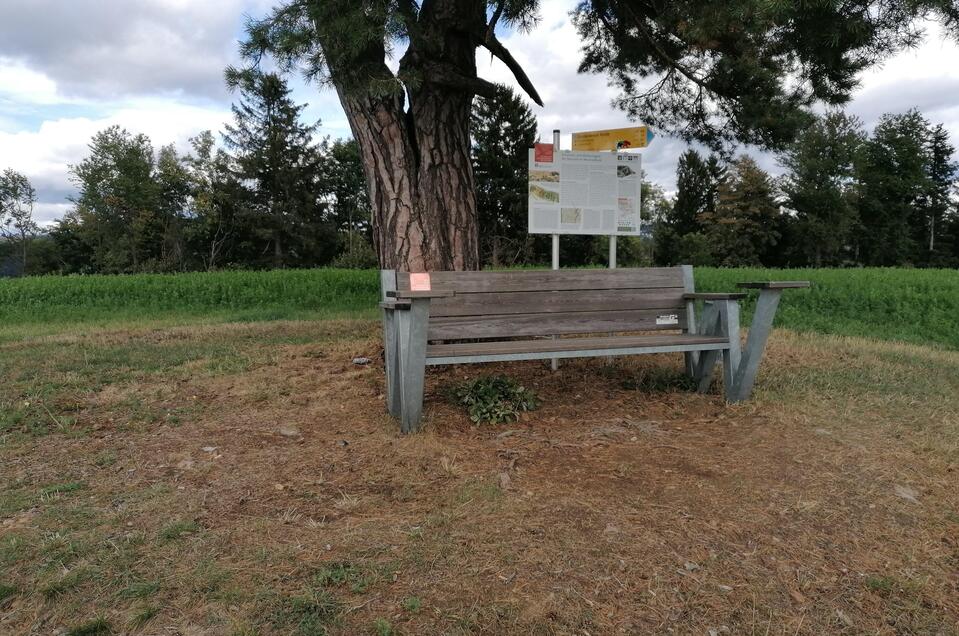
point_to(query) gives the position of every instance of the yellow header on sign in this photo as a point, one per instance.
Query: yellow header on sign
(615, 139)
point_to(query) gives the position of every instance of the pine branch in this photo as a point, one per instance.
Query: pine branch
(494, 46)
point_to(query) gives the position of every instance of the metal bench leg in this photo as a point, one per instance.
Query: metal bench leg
(391, 359)
(732, 357)
(391, 362)
(759, 331)
(412, 331)
(706, 360)
(691, 357)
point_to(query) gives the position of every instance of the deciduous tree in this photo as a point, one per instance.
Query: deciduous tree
(118, 199)
(17, 198)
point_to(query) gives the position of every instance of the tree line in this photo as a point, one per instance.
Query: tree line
(845, 198)
(273, 195)
(270, 195)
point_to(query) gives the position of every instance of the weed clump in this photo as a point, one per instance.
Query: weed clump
(493, 399)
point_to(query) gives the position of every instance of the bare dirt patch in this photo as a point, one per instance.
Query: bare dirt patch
(280, 498)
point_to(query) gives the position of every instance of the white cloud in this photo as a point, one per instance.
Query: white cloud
(100, 49)
(44, 155)
(20, 85)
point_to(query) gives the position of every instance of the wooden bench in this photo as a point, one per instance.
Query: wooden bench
(469, 317)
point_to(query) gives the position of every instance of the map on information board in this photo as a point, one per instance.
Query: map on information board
(584, 193)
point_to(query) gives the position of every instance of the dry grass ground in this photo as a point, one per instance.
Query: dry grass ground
(245, 480)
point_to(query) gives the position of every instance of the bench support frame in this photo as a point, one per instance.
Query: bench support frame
(405, 333)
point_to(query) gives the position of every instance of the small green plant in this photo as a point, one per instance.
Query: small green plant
(382, 627)
(411, 604)
(493, 399)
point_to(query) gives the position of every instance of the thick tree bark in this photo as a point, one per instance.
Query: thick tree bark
(416, 146)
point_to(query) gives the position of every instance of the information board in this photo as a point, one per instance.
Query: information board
(584, 192)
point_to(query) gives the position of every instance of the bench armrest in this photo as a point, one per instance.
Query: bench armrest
(437, 293)
(395, 304)
(712, 296)
(775, 284)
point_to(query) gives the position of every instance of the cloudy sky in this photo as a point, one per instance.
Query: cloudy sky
(70, 69)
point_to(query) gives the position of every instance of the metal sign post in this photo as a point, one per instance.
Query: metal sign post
(554, 363)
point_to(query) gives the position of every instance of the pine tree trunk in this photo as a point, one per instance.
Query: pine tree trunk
(420, 179)
(416, 156)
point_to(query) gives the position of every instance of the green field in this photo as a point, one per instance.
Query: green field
(919, 306)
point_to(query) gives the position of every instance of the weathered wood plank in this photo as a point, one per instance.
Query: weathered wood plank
(535, 302)
(526, 325)
(551, 280)
(571, 344)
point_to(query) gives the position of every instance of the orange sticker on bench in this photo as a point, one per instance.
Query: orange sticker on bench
(420, 282)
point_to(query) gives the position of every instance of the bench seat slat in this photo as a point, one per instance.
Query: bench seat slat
(537, 302)
(550, 280)
(545, 347)
(526, 325)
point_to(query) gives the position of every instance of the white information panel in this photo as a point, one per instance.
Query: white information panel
(584, 192)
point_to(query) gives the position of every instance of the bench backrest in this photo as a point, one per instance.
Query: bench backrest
(511, 304)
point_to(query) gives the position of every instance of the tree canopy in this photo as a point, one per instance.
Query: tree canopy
(743, 70)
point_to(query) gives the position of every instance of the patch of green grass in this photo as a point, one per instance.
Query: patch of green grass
(911, 305)
(177, 529)
(209, 579)
(360, 580)
(49, 304)
(334, 574)
(480, 490)
(656, 379)
(310, 614)
(60, 549)
(70, 581)
(59, 489)
(14, 548)
(382, 627)
(411, 604)
(7, 592)
(145, 615)
(105, 458)
(140, 589)
(880, 584)
(14, 500)
(95, 627)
